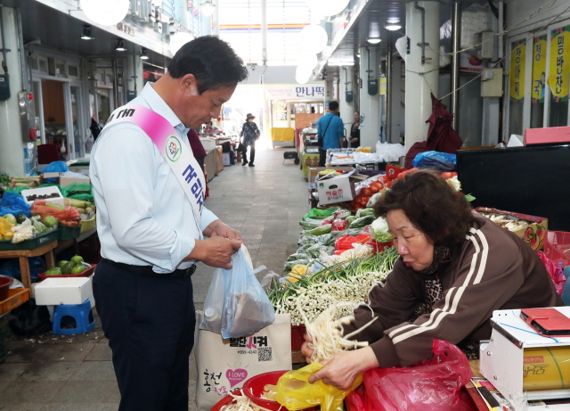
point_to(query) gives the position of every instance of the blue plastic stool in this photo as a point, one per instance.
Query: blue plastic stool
(80, 313)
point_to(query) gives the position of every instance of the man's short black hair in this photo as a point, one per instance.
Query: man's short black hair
(212, 61)
(333, 105)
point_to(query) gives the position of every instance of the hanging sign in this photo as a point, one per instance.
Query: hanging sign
(538, 68)
(517, 71)
(559, 73)
(298, 92)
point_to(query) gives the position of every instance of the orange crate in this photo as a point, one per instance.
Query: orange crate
(16, 297)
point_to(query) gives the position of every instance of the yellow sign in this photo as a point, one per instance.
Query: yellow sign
(538, 67)
(559, 73)
(517, 69)
(382, 82)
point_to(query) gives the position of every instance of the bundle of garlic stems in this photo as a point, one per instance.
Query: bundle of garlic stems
(326, 332)
(343, 282)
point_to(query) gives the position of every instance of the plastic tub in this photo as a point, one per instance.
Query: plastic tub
(5, 283)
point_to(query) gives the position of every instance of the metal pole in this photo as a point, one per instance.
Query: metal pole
(455, 39)
(388, 132)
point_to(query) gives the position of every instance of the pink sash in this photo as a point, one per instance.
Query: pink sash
(177, 154)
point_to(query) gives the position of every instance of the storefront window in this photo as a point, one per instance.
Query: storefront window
(517, 86)
(103, 105)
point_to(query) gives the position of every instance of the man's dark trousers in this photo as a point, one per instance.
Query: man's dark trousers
(149, 320)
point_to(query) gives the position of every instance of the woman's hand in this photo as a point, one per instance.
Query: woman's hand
(306, 348)
(343, 368)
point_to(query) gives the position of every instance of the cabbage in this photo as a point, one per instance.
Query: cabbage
(380, 230)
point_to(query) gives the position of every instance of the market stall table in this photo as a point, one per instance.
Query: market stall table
(24, 254)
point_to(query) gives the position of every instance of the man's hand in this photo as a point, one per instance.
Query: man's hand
(215, 251)
(219, 229)
(343, 368)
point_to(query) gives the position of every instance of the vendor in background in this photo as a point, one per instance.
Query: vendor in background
(354, 138)
(455, 268)
(249, 135)
(330, 132)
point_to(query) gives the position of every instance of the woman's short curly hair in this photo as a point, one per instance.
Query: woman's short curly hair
(443, 214)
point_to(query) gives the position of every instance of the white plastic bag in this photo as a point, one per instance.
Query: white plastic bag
(246, 307)
(213, 305)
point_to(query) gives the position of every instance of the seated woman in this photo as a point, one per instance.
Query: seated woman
(455, 268)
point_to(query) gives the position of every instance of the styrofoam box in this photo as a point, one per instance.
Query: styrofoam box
(65, 290)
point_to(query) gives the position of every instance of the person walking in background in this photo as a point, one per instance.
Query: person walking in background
(354, 138)
(249, 134)
(154, 227)
(330, 132)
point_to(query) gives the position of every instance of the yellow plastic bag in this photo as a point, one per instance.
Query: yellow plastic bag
(294, 391)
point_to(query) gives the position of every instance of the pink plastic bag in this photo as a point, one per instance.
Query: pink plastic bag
(434, 385)
(555, 271)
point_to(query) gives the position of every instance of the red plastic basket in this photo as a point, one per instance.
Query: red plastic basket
(85, 273)
(255, 386)
(227, 400)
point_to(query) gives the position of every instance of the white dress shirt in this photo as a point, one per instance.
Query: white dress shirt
(143, 216)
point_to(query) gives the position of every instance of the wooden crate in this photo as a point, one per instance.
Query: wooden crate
(16, 297)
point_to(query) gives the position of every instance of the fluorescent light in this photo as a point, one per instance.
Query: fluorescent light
(374, 33)
(86, 33)
(392, 27)
(120, 45)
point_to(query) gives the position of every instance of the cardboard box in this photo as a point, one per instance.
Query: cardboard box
(66, 290)
(219, 160)
(49, 194)
(313, 171)
(336, 189)
(534, 232)
(547, 135)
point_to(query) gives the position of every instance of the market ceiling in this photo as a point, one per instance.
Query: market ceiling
(380, 11)
(46, 27)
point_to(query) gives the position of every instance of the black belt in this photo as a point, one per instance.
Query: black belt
(146, 270)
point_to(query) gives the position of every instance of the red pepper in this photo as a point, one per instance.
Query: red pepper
(345, 242)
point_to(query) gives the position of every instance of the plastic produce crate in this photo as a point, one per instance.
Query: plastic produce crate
(68, 233)
(35, 242)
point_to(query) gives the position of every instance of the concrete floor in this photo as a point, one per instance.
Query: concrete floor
(54, 373)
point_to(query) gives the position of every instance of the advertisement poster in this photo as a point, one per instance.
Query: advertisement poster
(538, 68)
(559, 72)
(517, 69)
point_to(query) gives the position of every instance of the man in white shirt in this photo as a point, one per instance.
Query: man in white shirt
(150, 235)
